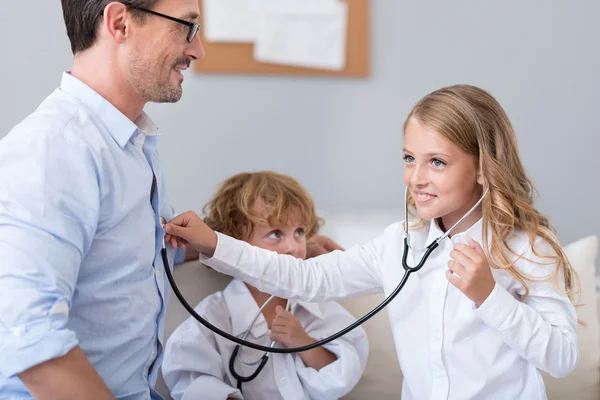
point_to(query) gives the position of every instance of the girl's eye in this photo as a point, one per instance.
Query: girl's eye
(408, 158)
(438, 163)
(299, 232)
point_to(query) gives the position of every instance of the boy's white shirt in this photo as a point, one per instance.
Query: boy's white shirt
(447, 348)
(196, 364)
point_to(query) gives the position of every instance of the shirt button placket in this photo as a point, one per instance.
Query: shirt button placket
(439, 388)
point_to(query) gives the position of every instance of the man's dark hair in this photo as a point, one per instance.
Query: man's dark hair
(82, 18)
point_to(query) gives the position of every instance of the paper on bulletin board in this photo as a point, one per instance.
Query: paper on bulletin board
(312, 37)
(229, 20)
(292, 6)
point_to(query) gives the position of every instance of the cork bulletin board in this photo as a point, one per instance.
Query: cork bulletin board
(237, 58)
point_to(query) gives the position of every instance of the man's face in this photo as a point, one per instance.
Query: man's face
(159, 51)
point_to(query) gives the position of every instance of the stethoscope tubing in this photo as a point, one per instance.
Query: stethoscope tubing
(407, 271)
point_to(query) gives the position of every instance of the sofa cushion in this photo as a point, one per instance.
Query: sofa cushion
(584, 382)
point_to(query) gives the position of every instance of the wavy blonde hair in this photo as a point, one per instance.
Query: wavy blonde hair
(473, 120)
(234, 209)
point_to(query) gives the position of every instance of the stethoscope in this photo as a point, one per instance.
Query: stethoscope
(271, 349)
(261, 361)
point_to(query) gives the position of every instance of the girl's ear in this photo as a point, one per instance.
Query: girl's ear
(480, 179)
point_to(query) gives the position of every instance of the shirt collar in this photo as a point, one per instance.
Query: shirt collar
(475, 232)
(118, 125)
(243, 308)
(312, 308)
(145, 124)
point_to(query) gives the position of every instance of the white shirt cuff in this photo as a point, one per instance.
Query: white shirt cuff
(210, 388)
(496, 309)
(226, 256)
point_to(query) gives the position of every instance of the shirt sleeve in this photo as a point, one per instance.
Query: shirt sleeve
(49, 205)
(352, 350)
(339, 274)
(192, 367)
(543, 327)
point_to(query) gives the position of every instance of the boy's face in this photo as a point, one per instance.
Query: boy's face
(286, 239)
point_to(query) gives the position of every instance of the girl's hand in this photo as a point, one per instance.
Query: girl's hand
(188, 229)
(475, 277)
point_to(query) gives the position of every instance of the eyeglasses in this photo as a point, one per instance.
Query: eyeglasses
(194, 27)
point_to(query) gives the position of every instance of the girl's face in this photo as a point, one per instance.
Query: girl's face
(286, 239)
(442, 178)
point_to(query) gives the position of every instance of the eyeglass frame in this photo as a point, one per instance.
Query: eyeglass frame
(194, 26)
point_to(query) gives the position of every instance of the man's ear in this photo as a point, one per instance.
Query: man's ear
(116, 21)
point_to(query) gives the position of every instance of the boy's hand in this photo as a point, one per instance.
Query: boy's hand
(288, 330)
(475, 277)
(320, 244)
(188, 229)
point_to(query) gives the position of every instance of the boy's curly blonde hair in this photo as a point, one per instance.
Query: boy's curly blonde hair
(233, 210)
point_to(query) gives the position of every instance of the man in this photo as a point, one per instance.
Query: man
(82, 283)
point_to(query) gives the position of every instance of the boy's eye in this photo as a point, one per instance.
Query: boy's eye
(408, 158)
(438, 162)
(275, 235)
(299, 232)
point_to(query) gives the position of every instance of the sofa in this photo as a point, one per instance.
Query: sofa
(382, 378)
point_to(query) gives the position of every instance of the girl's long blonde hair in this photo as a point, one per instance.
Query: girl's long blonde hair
(472, 119)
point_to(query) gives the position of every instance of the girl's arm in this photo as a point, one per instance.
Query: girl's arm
(352, 273)
(543, 327)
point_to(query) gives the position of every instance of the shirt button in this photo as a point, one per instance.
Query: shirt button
(284, 381)
(436, 338)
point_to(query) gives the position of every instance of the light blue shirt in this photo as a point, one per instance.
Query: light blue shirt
(80, 242)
